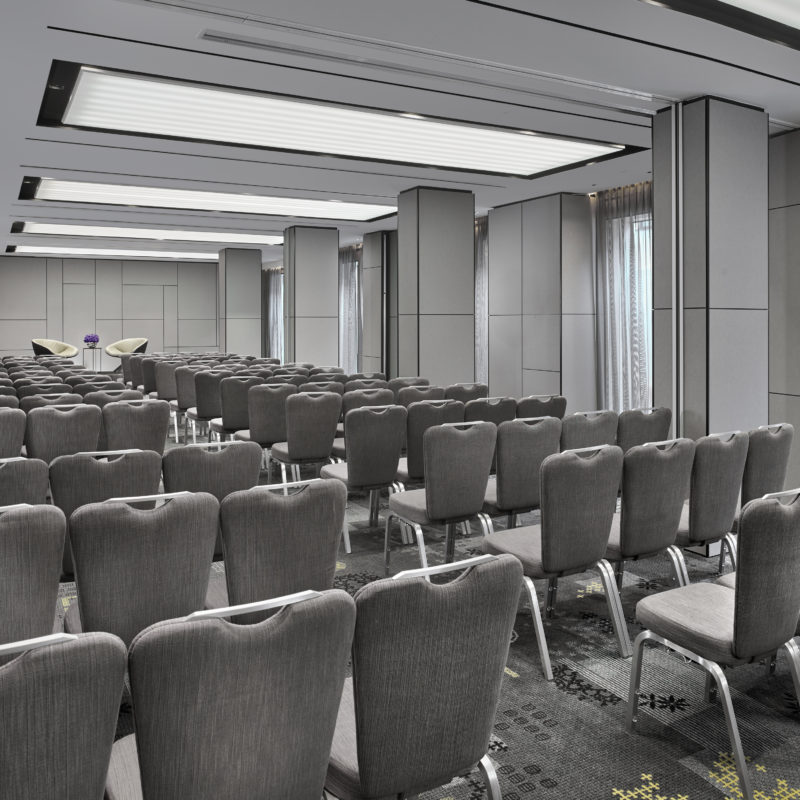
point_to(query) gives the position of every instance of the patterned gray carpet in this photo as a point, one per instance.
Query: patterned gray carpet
(566, 739)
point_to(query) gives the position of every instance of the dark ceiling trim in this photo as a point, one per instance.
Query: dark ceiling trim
(394, 85)
(633, 39)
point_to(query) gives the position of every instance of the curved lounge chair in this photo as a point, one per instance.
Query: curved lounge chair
(52, 347)
(125, 347)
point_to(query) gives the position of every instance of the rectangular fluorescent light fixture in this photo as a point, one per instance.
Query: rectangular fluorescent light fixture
(154, 106)
(102, 252)
(159, 197)
(776, 10)
(155, 234)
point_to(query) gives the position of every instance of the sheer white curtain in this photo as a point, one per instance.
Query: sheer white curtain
(349, 307)
(624, 258)
(482, 299)
(274, 343)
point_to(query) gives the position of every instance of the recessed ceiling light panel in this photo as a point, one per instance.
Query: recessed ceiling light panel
(160, 197)
(155, 234)
(123, 102)
(103, 252)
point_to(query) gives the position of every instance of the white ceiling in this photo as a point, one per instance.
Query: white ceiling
(595, 70)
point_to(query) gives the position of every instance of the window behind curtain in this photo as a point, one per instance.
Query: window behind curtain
(624, 268)
(349, 307)
(274, 343)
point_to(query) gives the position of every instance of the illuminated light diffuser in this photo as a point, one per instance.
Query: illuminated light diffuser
(108, 100)
(158, 197)
(155, 234)
(102, 252)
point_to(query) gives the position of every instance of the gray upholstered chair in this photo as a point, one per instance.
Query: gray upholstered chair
(277, 540)
(31, 542)
(374, 436)
(91, 477)
(60, 698)
(134, 566)
(642, 425)
(458, 457)
(263, 686)
(149, 376)
(544, 405)
(356, 384)
(490, 409)
(654, 481)
(578, 497)
(167, 389)
(44, 400)
(588, 429)
(12, 432)
(53, 432)
(23, 480)
(207, 395)
(358, 398)
(715, 627)
(396, 384)
(102, 398)
(233, 401)
(466, 392)
(135, 363)
(8, 401)
(42, 388)
(710, 512)
(311, 421)
(185, 393)
(428, 663)
(421, 416)
(53, 347)
(416, 394)
(522, 446)
(141, 424)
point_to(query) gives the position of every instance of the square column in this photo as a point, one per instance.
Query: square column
(435, 285)
(239, 301)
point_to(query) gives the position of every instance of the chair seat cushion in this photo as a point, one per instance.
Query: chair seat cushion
(173, 405)
(280, 452)
(525, 543)
(402, 471)
(337, 472)
(123, 781)
(728, 580)
(698, 617)
(410, 505)
(339, 449)
(242, 436)
(217, 593)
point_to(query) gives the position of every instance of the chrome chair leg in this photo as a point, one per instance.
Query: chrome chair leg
(793, 652)
(485, 521)
(374, 506)
(283, 473)
(386, 548)
(552, 591)
(541, 641)
(678, 565)
(346, 537)
(490, 781)
(449, 542)
(423, 557)
(730, 542)
(619, 573)
(615, 608)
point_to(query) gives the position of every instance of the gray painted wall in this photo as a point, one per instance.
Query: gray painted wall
(173, 304)
(371, 272)
(240, 300)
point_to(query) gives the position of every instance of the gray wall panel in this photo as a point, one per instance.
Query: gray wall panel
(577, 258)
(505, 355)
(23, 289)
(243, 283)
(694, 204)
(197, 332)
(784, 170)
(786, 408)
(150, 272)
(663, 239)
(108, 292)
(372, 250)
(78, 312)
(244, 335)
(505, 260)
(452, 358)
(151, 329)
(538, 382)
(407, 252)
(578, 368)
(79, 270)
(695, 374)
(197, 290)
(16, 334)
(317, 340)
(55, 300)
(784, 300)
(141, 302)
(407, 344)
(109, 330)
(541, 342)
(170, 316)
(371, 305)
(662, 358)
(541, 256)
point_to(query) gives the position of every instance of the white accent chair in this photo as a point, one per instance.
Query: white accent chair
(52, 347)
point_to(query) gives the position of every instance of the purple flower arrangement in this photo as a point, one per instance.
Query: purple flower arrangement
(91, 339)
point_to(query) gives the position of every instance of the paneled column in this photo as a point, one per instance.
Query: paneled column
(436, 285)
(373, 268)
(710, 263)
(311, 294)
(239, 299)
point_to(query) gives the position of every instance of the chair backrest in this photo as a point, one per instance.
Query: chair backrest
(326, 377)
(233, 394)
(311, 421)
(466, 391)
(522, 446)
(367, 376)
(60, 706)
(578, 498)
(354, 384)
(184, 385)
(458, 459)
(12, 432)
(422, 416)
(654, 481)
(219, 472)
(134, 567)
(415, 394)
(436, 653)
(9, 401)
(41, 401)
(767, 461)
(266, 405)
(98, 386)
(262, 685)
(588, 429)
(490, 409)
(149, 374)
(374, 437)
(396, 384)
(715, 484)
(642, 425)
(323, 386)
(277, 543)
(53, 432)
(23, 480)
(136, 424)
(31, 542)
(42, 388)
(358, 398)
(547, 405)
(103, 397)
(165, 379)
(767, 590)
(125, 360)
(207, 393)
(326, 370)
